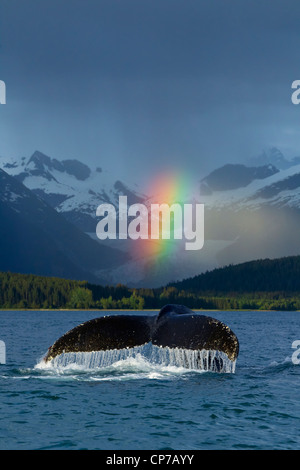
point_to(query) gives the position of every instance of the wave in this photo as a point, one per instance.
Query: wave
(286, 364)
(142, 361)
(271, 368)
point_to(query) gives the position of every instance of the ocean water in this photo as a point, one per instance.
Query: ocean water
(138, 403)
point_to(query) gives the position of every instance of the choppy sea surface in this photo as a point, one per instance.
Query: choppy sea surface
(136, 403)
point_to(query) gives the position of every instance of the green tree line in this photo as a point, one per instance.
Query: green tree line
(265, 275)
(26, 291)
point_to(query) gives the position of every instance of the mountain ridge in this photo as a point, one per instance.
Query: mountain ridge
(234, 176)
(30, 224)
(70, 186)
(258, 218)
(262, 275)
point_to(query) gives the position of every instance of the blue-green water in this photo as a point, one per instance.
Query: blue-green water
(133, 404)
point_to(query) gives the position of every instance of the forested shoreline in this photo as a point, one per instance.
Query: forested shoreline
(26, 291)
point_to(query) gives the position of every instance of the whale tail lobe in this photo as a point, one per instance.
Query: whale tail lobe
(175, 327)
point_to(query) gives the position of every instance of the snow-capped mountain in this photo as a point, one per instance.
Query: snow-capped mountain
(273, 156)
(70, 186)
(262, 179)
(35, 238)
(252, 211)
(280, 188)
(234, 176)
(260, 218)
(75, 190)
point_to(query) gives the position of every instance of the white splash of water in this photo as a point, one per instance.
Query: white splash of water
(204, 360)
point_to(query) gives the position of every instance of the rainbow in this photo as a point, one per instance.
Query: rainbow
(166, 188)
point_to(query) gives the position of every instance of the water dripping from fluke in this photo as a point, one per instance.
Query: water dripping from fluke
(176, 336)
(204, 360)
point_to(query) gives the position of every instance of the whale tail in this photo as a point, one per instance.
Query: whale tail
(104, 333)
(175, 327)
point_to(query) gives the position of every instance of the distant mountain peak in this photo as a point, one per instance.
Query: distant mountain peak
(73, 167)
(272, 156)
(70, 186)
(35, 238)
(39, 158)
(234, 176)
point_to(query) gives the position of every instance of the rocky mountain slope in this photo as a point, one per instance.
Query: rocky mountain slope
(252, 211)
(35, 238)
(69, 186)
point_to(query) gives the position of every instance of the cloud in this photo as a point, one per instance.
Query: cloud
(142, 84)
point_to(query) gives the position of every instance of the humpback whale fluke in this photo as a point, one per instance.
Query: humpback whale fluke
(175, 326)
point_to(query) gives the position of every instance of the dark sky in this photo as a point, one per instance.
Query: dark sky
(140, 86)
